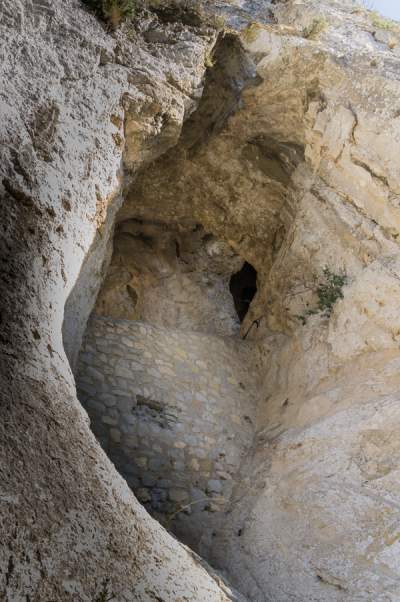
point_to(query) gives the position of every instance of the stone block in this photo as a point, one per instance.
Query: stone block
(126, 404)
(113, 412)
(159, 495)
(128, 419)
(194, 464)
(164, 483)
(95, 374)
(141, 461)
(123, 372)
(225, 476)
(115, 435)
(214, 486)
(149, 480)
(158, 463)
(178, 495)
(127, 429)
(107, 399)
(180, 444)
(95, 407)
(109, 420)
(206, 465)
(131, 441)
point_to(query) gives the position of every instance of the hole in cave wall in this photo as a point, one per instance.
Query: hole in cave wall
(243, 287)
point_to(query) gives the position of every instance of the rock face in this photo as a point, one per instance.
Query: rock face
(170, 275)
(70, 527)
(279, 140)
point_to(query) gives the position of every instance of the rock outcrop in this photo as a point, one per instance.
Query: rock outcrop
(277, 141)
(72, 96)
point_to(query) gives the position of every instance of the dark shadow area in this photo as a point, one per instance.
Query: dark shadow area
(243, 287)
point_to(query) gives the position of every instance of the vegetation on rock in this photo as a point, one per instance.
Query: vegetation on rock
(113, 11)
(312, 31)
(190, 13)
(381, 22)
(328, 292)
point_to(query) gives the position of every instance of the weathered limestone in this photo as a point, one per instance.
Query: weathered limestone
(70, 528)
(308, 180)
(289, 156)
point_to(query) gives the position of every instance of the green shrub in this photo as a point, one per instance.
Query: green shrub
(328, 292)
(113, 11)
(380, 22)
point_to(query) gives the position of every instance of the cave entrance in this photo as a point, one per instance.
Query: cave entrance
(159, 372)
(243, 287)
(169, 389)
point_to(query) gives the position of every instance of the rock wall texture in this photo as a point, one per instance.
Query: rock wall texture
(175, 412)
(320, 497)
(71, 93)
(284, 149)
(172, 275)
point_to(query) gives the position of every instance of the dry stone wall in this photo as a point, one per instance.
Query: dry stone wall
(175, 412)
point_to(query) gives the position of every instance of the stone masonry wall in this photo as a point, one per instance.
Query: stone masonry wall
(175, 412)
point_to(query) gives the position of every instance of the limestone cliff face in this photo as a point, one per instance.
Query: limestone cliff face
(281, 139)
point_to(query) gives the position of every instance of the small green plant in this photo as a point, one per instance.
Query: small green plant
(113, 11)
(209, 61)
(252, 31)
(317, 26)
(381, 22)
(328, 292)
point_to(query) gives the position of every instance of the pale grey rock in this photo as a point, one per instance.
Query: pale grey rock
(304, 174)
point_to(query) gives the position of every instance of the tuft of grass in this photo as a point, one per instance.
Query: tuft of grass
(381, 22)
(316, 27)
(250, 34)
(328, 291)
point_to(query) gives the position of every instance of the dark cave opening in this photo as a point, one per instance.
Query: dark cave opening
(243, 287)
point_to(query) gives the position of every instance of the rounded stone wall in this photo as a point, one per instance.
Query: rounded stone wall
(175, 412)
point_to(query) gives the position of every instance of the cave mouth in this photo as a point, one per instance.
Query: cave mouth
(170, 390)
(243, 287)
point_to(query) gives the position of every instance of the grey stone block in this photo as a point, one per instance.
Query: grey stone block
(95, 407)
(178, 495)
(149, 480)
(214, 486)
(109, 420)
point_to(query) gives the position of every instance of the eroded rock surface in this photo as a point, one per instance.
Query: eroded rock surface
(285, 151)
(70, 527)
